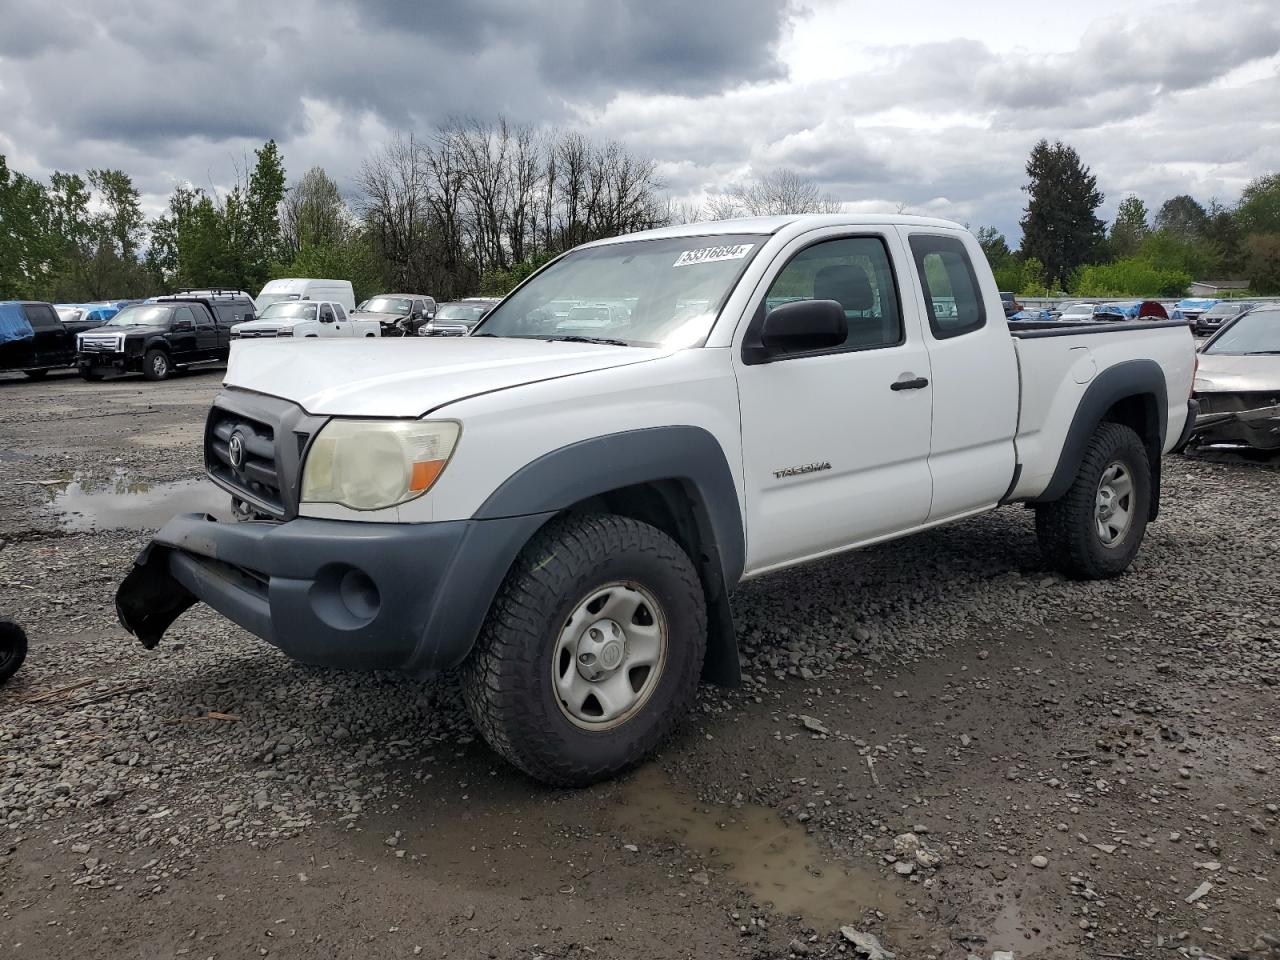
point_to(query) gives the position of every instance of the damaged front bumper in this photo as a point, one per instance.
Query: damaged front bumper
(1237, 420)
(363, 596)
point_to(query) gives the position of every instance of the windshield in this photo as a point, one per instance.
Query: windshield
(1257, 332)
(641, 292)
(387, 305)
(1224, 310)
(145, 315)
(460, 311)
(289, 311)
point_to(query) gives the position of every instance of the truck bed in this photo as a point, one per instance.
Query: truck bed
(1057, 364)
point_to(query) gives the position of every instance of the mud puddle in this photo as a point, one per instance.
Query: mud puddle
(124, 502)
(776, 862)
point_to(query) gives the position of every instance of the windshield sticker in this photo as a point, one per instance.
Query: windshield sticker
(711, 254)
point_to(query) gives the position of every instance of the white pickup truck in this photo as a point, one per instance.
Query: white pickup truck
(565, 512)
(301, 319)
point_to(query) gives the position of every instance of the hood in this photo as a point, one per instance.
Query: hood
(284, 323)
(407, 377)
(1226, 373)
(380, 317)
(127, 331)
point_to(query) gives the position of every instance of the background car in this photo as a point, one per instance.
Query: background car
(401, 314)
(1190, 308)
(457, 319)
(1238, 382)
(1011, 304)
(1077, 312)
(85, 316)
(1218, 314)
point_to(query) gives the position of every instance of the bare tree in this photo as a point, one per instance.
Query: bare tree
(396, 208)
(780, 191)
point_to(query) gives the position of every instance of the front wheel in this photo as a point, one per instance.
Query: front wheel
(13, 649)
(1095, 529)
(591, 652)
(156, 366)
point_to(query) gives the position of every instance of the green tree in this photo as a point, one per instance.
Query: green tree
(1060, 227)
(313, 214)
(26, 246)
(1259, 207)
(1129, 277)
(121, 221)
(1129, 227)
(1183, 217)
(262, 197)
(1262, 264)
(994, 245)
(351, 258)
(1222, 234)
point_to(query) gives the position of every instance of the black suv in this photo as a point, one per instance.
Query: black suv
(164, 333)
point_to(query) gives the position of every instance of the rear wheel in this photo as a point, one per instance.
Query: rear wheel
(591, 652)
(156, 365)
(1095, 529)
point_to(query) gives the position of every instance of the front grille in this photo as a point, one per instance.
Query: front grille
(256, 334)
(100, 343)
(271, 437)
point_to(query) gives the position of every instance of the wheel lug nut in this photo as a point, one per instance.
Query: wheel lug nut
(595, 634)
(587, 659)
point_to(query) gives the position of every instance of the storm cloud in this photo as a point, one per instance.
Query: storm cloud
(1162, 99)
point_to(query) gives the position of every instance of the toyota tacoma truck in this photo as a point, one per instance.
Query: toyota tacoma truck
(564, 513)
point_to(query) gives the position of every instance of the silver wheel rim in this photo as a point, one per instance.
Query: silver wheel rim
(159, 365)
(609, 656)
(1113, 515)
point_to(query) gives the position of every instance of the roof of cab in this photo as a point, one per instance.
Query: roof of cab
(771, 225)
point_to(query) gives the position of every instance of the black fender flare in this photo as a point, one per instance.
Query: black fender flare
(689, 455)
(1131, 378)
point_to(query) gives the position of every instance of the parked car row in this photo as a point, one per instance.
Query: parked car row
(156, 336)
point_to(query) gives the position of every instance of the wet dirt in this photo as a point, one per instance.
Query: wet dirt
(125, 502)
(775, 861)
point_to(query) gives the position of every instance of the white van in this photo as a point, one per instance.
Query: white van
(301, 288)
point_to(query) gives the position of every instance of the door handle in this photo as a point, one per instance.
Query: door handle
(918, 383)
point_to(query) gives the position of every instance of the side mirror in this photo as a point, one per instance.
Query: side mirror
(802, 326)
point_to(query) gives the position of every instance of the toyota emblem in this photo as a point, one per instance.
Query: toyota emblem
(235, 450)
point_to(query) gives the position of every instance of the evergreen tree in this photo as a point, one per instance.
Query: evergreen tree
(25, 241)
(1129, 227)
(1060, 228)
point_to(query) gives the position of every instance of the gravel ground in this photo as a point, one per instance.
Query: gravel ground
(942, 749)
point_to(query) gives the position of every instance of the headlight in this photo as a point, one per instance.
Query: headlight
(372, 464)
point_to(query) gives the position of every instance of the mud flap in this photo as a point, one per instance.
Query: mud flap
(149, 599)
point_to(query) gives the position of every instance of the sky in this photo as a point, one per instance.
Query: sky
(923, 106)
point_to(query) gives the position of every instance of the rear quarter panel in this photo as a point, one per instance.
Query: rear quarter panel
(1056, 371)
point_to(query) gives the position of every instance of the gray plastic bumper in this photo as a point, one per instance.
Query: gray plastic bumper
(364, 596)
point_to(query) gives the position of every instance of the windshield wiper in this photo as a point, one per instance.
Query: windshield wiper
(567, 338)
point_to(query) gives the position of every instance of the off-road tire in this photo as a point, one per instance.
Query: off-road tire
(150, 363)
(36, 374)
(13, 649)
(1066, 528)
(507, 682)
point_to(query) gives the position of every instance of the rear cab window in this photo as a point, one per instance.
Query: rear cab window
(952, 296)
